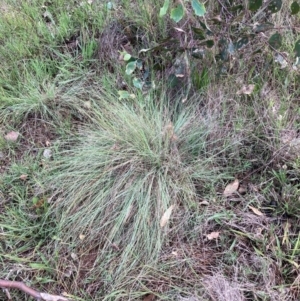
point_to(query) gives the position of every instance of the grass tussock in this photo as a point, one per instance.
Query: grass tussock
(119, 177)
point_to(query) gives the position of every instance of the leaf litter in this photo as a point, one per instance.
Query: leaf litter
(231, 188)
(166, 216)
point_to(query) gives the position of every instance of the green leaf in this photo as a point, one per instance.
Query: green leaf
(164, 9)
(295, 8)
(203, 25)
(275, 40)
(297, 48)
(254, 4)
(138, 83)
(130, 67)
(210, 43)
(127, 57)
(199, 33)
(177, 13)
(125, 95)
(274, 6)
(241, 42)
(139, 64)
(263, 27)
(199, 8)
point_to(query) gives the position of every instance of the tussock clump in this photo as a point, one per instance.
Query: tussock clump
(122, 174)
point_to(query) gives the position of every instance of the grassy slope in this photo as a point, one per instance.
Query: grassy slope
(87, 220)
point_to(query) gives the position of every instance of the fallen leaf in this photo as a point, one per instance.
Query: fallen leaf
(242, 189)
(231, 188)
(74, 256)
(179, 29)
(48, 143)
(12, 136)
(256, 211)
(213, 235)
(246, 89)
(47, 153)
(166, 216)
(81, 236)
(217, 18)
(174, 253)
(204, 203)
(23, 177)
(149, 297)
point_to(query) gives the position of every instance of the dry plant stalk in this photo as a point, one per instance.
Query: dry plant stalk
(6, 284)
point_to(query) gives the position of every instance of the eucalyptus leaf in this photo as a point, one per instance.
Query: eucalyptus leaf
(199, 33)
(263, 27)
(127, 57)
(295, 8)
(199, 8)
(275, 40)
(274, 6)
(241, 42)
(138, 83)
(210, 43)
(203, 25)
(177, 13)
(164, 9)
(254, 4)
(130, 67)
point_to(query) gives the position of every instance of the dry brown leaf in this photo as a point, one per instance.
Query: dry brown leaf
(231, 188)
(166, 216)
(149, 297)
(74, 256)
(206, 203)
(256, 211)
(81, 236)
(217, 18)
(246, 89)
(23, 177)
(242, 189)
(213, 235)
(179, 29)
(12, 136)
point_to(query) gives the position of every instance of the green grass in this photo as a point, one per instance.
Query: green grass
(86, 221)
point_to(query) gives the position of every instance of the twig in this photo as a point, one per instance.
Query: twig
(6, 284)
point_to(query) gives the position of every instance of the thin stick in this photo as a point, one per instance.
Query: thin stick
(6, 284)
